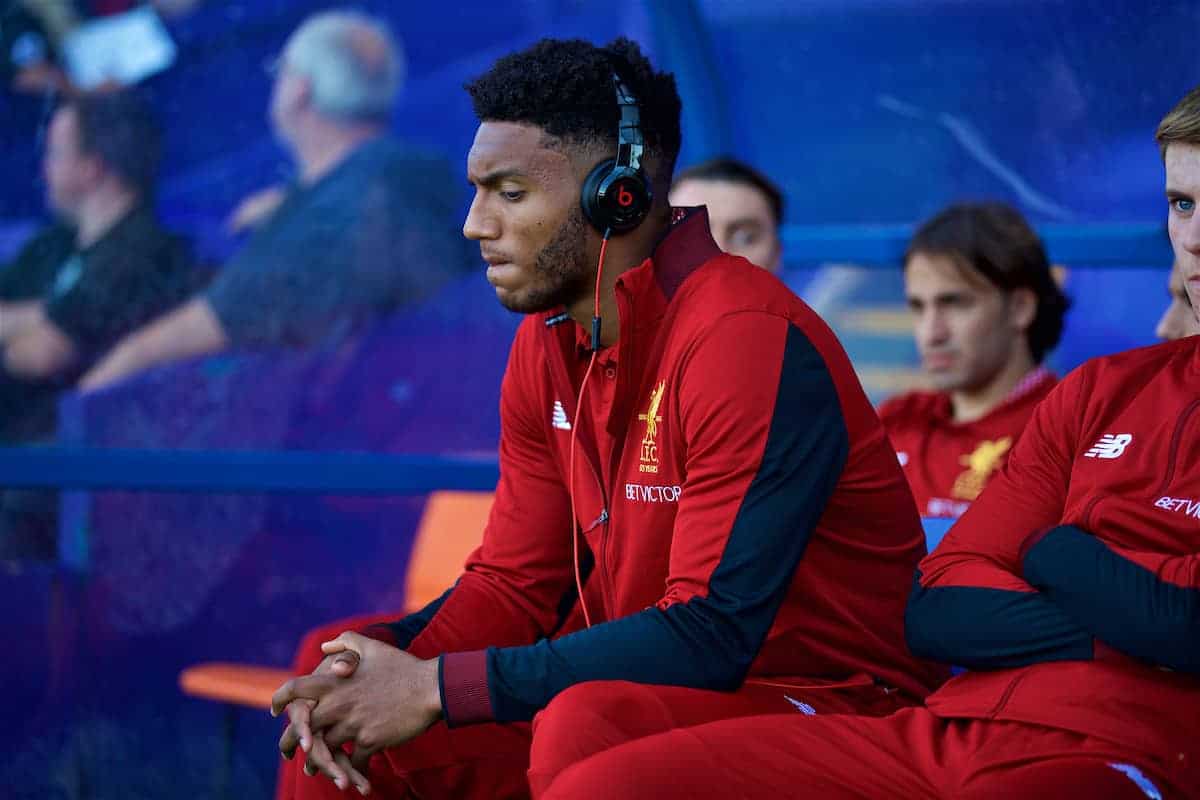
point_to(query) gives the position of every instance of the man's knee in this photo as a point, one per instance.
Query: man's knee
(1066, 777)
(600, 776)
(573, 711)
(583, 720)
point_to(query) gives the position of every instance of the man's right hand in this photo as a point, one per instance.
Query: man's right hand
(255, 209)
(318, 757)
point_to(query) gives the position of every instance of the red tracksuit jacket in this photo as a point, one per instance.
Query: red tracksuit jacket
(1071, 588)
(948, 463)
(741, 508)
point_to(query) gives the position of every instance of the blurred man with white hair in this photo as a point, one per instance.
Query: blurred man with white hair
(366, 227)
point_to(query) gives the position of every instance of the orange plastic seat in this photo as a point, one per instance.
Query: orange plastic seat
(239, 684)
(451, 527)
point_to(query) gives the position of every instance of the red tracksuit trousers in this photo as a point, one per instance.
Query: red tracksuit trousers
(522, 760)
(911, 755)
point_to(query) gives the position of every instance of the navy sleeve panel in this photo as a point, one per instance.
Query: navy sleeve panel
(984, 628)
(710, 641)
(406, 629)
(1122, 603)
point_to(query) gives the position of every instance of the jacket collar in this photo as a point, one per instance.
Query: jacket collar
(645, 291)
(1034, 380)
(686, 246)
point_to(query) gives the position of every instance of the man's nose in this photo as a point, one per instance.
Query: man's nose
(480, 224)
(932, 327)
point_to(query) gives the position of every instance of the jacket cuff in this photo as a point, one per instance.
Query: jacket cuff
(463, 679)
(380, 632)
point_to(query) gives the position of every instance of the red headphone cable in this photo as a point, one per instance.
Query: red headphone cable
(587, 619)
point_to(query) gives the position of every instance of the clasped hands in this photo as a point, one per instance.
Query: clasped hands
(365, 693)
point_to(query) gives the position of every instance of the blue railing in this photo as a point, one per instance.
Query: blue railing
(234, 471)
(1134, 244)
(1099, 245)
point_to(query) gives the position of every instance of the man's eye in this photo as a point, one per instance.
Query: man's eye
(744, 238)
(512, 196)
(1183, 205)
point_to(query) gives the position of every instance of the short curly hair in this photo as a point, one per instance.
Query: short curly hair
(564, 87)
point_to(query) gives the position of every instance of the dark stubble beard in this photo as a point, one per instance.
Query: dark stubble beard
(560, 270)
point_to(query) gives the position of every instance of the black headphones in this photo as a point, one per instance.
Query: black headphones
(616, 195)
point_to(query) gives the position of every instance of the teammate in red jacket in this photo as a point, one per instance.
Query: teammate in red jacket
(745, 540)
(1070, 589)
(987, 310)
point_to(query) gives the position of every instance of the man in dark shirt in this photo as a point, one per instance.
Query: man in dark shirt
(367, 227)
(74, 289)
(359, 242)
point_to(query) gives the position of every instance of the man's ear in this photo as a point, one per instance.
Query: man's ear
(94, 169)
(304, 91)
(1022, 308)
(295, 93)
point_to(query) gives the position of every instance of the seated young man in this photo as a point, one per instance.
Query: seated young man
(987, 311)
(745, 210)
(105, 267)
(1070, 589)
(699, 515)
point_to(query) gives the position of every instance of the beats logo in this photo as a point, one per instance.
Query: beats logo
(624, 197)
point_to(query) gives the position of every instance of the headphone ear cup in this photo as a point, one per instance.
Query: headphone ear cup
(589, 198)
(615, 198)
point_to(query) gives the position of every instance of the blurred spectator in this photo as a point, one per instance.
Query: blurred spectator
(367, 226)
(106, 268)
(987, 311)
(35, 43)
(173, 9)
(745, 209)
(32, 35)
(1179, 318)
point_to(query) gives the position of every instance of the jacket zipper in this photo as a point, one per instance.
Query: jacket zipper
(625, 359)
(601, 565)
(566, 388)
(600, 520)
(603, 519)
(614, 460)
(1173, 453)
(1087, 512)
(1169, 475)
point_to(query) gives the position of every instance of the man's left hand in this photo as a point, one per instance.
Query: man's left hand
(390, 698)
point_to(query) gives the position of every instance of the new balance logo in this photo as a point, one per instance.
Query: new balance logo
(1137, 776)
(1110, 446)
(559, 417)
(800, 705)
